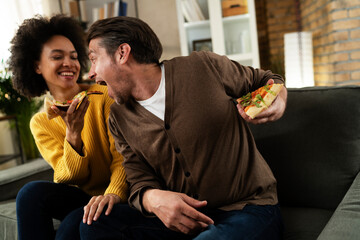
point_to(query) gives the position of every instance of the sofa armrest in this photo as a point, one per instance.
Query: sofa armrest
(12, 179)
(345, 222)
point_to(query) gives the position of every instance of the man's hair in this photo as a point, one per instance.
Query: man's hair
(112, 32)
(27, 45)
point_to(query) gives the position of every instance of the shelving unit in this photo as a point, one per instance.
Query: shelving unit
(233, 36)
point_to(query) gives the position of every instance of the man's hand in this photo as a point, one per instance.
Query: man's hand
(176, 210)
(96, 205)
(273, 113)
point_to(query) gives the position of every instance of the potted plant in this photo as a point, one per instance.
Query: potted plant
(12, 103)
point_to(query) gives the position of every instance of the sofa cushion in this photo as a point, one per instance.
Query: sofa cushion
(304, 223)
(12, 179)
(8, 225)
(314, 149)
(345, 222)
(8, 222)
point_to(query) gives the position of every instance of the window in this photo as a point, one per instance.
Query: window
(13, 14)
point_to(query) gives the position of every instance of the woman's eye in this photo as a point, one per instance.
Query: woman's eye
(57, 57)
(74, 57)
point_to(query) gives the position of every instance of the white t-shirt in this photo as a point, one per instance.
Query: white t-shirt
(156, 104)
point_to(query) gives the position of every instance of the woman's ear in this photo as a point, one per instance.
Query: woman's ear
(37, 68)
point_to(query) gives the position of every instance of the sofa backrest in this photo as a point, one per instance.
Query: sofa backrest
(314, 149)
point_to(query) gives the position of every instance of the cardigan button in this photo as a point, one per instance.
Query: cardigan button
(177, 150)
(167, 126)
(196, 196)
(187, 174)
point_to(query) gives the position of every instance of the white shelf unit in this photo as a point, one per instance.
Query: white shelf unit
(233, 36)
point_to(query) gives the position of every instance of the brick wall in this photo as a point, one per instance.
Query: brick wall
(335, 25)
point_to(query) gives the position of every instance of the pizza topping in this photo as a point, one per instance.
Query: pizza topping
(267, 89)
(256, 97)
(79, 95)
(259, 100)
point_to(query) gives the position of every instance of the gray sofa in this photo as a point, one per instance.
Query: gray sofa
(11, 180)
(313, 150)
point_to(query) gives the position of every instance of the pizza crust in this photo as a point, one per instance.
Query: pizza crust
(64, 106)
(47, 106)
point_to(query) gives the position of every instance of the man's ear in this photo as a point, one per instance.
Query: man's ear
(123, 52)
(37, 68)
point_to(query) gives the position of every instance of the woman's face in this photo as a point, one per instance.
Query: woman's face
(59, 64)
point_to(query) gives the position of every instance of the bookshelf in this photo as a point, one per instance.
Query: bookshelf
(234, 35)
(88, 11)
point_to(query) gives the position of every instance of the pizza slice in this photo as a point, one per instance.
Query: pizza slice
(63, 106)
(257, 101)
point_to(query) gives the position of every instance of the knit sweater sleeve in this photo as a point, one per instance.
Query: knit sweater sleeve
(118, 184)
(69, 167)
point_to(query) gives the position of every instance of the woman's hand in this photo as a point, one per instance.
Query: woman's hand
(74, 121)
(96, 205)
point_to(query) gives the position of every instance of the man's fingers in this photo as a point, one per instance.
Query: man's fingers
(191, 211)
(197, 216)
(270, 81)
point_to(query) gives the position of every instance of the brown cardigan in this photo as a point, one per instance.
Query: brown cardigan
(203, 148)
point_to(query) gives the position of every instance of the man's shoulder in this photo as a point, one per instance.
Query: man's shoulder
(195, 55)
(196, 59)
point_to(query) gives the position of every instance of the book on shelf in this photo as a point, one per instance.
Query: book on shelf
(73, 8)
(111, 9)
(191, 11)
(83, 14)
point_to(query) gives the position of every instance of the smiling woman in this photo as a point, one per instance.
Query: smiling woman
(48, 55)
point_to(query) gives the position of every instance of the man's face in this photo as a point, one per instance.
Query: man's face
(108, 71)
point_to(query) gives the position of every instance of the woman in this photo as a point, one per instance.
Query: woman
(50, 55)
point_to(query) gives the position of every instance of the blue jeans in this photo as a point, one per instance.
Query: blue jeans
(38, 202)
(253, 222)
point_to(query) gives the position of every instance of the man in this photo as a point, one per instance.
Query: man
(190, 159)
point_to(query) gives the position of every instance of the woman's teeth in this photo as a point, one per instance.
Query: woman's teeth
(67, 74)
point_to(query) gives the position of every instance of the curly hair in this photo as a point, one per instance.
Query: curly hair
(26, 48)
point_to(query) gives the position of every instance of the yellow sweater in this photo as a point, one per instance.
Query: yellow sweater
(100, 170)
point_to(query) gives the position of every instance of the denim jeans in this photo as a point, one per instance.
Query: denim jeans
(38, 202)
(253, 222)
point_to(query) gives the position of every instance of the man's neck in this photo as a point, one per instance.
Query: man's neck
(147, 80)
